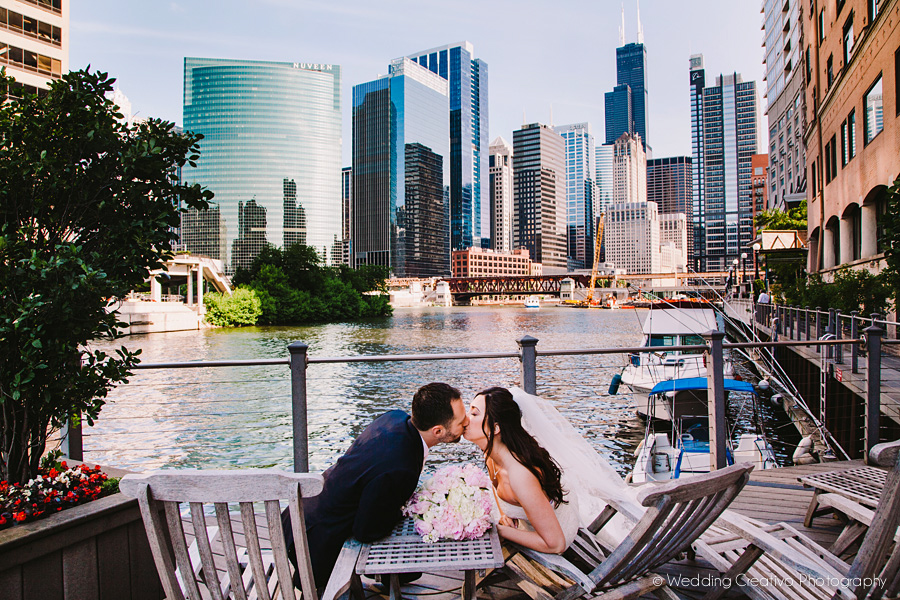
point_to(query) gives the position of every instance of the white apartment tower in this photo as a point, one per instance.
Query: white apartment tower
(673, 230)
(629, 170)
(34, 42)
(501, 185)
(631, 236)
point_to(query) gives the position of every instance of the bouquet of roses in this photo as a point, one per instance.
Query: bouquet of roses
(51, 491)
(455, 504)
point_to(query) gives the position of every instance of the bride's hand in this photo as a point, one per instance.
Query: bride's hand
(504, 520)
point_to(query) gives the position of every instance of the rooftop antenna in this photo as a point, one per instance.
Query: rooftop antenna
(622, 27)
(640, 33)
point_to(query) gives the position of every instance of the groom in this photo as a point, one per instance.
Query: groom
(366, 488)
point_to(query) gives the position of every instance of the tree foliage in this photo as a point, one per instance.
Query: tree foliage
(851, 290)
(891, 240)
(242, 307)
(87, 209)
(780, 220)
(294, 287)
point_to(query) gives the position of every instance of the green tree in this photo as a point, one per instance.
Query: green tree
(242, 307)
(890, 241)
(780, 220)
(87, 209)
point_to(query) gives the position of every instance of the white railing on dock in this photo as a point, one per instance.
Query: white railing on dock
(299, 361)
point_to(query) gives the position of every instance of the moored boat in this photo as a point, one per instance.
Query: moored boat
(681, 447)
(669, 326)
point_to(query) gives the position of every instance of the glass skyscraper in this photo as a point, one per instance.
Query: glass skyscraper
(539, 179)
(401, 179)
(729, 143)
(580, 193)
(697, 225)
(470, 210)
(627, 106)
(670, 185)
(271, 153)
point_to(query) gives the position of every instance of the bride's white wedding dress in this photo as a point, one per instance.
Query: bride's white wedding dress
(566, 514)
(591, 482)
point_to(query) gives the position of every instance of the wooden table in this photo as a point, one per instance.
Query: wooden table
(860, 484)
(404, 552)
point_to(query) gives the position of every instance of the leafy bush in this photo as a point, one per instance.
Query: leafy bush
(242, 307)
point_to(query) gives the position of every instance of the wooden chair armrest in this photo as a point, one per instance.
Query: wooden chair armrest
(800, 555)
(344, 570)
(853, 510)
(885, 454)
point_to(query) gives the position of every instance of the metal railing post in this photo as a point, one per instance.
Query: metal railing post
(830, 329)
(838, 335)
(818, 326)
(806, 322)
(528, 356)
(873, 386)
(298, 352)
(716, 399)
(71, 440)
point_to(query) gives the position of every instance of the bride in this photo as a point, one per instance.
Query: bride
(547, 479)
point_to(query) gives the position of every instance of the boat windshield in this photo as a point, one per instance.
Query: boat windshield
(662, 340)
(692, 340)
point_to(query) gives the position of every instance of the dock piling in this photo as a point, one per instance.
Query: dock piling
(528, 357)
(716, 400)
(873, 385)
(299, 357)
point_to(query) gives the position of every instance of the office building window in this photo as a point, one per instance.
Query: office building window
(874, 110)
(821, 26)
(827, 163)
(829, 69)
(873, 9)
(897, 79)
(815, 182)
(851, 134)
(833, 157)
(848, 39)
(845, 157)
(808, 66)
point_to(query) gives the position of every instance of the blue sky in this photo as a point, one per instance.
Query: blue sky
(540, 54)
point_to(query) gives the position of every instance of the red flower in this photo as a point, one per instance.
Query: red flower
(53, 473)
(19, 516)
(63, 464)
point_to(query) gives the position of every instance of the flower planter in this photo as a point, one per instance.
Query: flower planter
(94, 551)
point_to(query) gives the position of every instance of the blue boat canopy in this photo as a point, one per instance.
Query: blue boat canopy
(700, 383)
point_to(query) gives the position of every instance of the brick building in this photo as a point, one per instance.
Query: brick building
(851, 66)
(477, 262)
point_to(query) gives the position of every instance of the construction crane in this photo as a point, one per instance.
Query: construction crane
(599, 241)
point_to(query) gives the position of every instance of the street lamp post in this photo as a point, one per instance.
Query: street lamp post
(743, 266)
(756, 248)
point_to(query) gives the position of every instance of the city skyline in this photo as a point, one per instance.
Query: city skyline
(527, 76)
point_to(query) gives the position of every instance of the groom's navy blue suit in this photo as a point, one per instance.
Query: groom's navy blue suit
(364, 491)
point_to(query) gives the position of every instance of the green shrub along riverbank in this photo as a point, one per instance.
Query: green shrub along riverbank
(290, 287)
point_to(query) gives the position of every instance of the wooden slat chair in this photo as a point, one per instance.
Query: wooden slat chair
(676, 514)
(249, 572)
(747, 550)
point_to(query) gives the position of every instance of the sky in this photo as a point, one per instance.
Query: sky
(548, 62)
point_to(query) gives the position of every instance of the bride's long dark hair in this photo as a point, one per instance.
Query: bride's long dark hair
(501, 410)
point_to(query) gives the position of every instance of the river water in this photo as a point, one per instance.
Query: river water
(234, 417)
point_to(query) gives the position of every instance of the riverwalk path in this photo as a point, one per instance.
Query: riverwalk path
(839, 364)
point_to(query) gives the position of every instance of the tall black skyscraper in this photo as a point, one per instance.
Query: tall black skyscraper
(627, 104)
